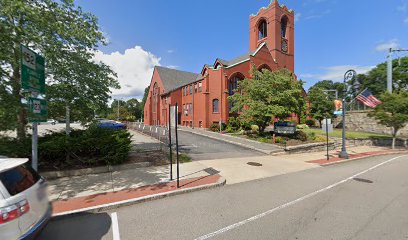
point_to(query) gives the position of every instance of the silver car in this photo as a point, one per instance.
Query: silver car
(24, 205)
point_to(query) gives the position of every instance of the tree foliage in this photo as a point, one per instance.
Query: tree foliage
(330, 85)
(376, 79)
(322, 104)
(393, 112)
(129, 110)
(67, 37)
(268, 94)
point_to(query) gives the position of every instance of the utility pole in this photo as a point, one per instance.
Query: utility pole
(118, 109)
(389, 66)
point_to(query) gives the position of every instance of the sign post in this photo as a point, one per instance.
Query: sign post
(33, 81)
(327, 128)
(171, 152)
(177, 148)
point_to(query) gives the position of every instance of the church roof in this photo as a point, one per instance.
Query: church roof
(173, 79)
(239, 59)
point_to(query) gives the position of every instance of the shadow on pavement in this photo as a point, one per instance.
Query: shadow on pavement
(86, 226)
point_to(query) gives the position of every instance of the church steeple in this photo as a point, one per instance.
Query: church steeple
(274, 25)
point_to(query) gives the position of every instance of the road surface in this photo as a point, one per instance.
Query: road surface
(363, 199)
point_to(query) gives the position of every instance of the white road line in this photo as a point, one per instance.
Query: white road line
(115, 226)
(238, 224)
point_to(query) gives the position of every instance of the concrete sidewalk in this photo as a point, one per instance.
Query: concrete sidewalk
(234, 170)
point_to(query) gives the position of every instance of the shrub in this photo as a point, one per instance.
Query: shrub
(215, 127)
(300, 135)
(302, 126)
(11, 147)
(254, 128)
(280, 140)
(83, 148)
(310, 122)
(234, 123)
(311, 136)
(320, 139)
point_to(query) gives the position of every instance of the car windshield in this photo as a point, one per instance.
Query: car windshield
(18, 179)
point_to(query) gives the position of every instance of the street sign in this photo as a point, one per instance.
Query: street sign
(329, 127)
(32, 71)
(37, 110)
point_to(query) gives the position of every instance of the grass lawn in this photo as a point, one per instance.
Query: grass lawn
(349, 134)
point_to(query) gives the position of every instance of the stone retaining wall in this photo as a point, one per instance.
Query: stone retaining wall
(359, 121)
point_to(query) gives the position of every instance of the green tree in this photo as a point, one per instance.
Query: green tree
(376, 79)
(330, 85)
(393, 112)
(268, 94)
(67, 37)
(134, 107)
(322, 105)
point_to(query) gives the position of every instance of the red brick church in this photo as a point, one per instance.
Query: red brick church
(202, 97)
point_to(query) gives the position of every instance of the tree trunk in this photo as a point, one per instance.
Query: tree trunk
(21, 112)
(67, 120)
(320, 123)
(394, 137)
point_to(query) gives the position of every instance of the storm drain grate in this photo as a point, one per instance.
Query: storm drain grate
(362, 180)
(254, 164)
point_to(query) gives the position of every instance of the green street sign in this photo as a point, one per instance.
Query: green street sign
(32, 71)
(37, 110)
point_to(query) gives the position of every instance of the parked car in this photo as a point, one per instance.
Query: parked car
(111, 124)
(24, 205)
(52, 121)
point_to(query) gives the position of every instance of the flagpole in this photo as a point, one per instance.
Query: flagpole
(356, 98)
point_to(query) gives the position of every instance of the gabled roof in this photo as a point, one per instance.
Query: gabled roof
(173, 79)
(240, 59)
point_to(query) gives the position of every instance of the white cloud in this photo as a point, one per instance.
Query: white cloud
(336, 73)
(319, 15)
(384, 46)
(171, 51)
(134, 68)
(172, 66)
(297, 17)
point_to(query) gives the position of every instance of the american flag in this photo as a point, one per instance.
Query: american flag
(368, 99)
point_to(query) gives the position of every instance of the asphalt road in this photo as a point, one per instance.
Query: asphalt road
(204, 148)
(200, 147)
(364, 199)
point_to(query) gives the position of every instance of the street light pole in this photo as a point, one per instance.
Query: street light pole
(389, 66)
(389, 71)
(348, 76)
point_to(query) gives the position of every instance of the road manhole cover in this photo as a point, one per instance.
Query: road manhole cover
(362, 180)
(254, 164)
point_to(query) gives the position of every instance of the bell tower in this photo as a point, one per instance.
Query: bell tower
(274, 25)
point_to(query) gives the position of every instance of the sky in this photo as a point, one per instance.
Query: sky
(331, 36)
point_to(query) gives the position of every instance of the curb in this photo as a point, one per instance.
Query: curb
(362, 157)
(268, 152)
(115, 205)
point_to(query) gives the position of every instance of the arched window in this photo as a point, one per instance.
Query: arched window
(232, 86)
(264, 66)
(155, 96)
(262, 30)
(284, 26)
(215, 105)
